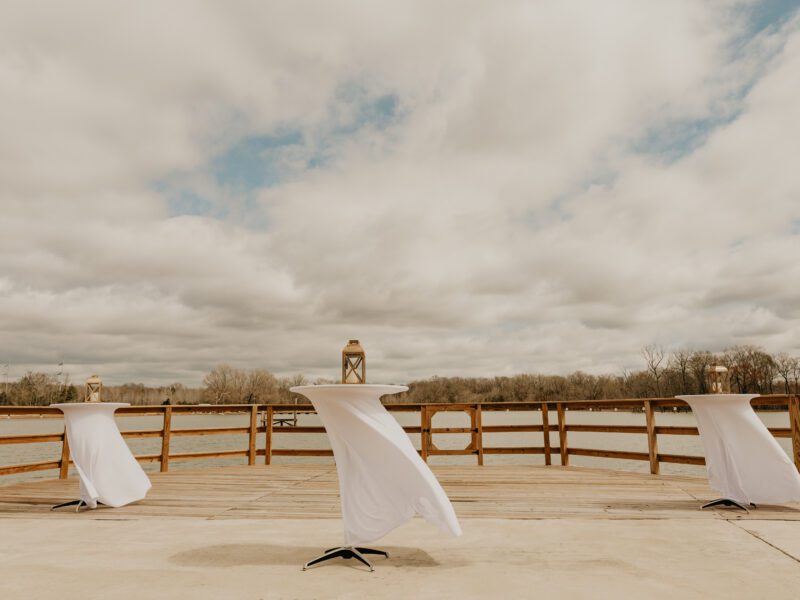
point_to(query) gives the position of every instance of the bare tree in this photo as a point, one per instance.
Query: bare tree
(584, 386)
(766, 372)
(37, 389)
(785, 366)
(654, 356)
(680, 362)
(227, 385)
(284, 395)
(262, 386)
(741, 371)
(699, 362)
(796, 374)
(219, 383)
(753, 369)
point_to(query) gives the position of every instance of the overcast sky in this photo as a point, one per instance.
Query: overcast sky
(469, 188)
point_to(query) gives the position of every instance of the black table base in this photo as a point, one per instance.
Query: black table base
(727, 502)
(347, 552)
(79, 503)
(70, 503)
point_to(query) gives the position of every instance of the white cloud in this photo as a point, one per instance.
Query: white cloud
(507, 217)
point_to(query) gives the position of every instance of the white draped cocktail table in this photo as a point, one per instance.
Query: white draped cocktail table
(744, 461)
(383, 482)
(109, 474)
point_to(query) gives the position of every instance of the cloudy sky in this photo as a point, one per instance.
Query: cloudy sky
(469, 188)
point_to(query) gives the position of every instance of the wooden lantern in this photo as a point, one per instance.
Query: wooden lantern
(354, 363)
(718, 379)
(94, 389)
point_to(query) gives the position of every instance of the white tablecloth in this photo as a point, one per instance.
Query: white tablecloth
(744, 461)
(383, 482)
(107, 469)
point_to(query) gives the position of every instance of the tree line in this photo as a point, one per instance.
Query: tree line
(223, 385)
(666, 374)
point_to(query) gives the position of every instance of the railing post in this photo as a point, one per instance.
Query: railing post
(425, 432)
(477, 433)
(562, 434)
(251, 449)
(268, 441)
(546, 434)
(652, 441)
(794, 421)
(165, 435)
(63, 465)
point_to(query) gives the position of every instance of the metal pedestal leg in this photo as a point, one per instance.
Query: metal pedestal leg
(80, 504)
(70, 503)
(347, 552)
(727, 502)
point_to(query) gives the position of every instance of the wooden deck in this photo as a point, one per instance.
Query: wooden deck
(302, 491)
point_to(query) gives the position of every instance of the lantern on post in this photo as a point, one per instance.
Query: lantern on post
(718, 379)
(94, 389)
(354, 363)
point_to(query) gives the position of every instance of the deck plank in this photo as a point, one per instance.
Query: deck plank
(297, 491)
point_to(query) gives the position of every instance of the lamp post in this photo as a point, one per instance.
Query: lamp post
(94, 389)
(354, 363)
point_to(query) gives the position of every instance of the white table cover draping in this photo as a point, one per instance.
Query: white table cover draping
(107, 469)
(744, 461)
(383, 482)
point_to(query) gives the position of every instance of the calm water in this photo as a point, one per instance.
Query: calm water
(668, 444)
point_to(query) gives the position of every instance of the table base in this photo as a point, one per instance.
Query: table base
(347, 552)
(727, 502)
(79, 504)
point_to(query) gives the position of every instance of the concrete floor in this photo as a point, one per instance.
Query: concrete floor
(550, 558)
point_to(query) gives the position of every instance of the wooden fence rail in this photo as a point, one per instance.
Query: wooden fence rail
(266, 414)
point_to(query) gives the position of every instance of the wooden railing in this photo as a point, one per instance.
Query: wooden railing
(262, 419)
